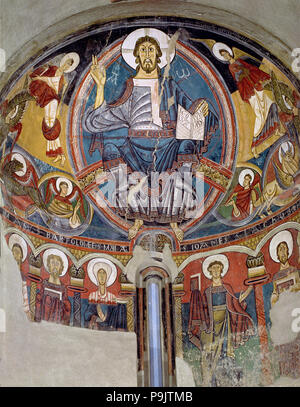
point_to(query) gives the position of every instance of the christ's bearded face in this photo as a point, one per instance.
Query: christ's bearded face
(147, 55)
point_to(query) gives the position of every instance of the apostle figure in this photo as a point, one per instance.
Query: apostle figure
(19, 250)
(48, 86)
(218, 322)
(105, 310)
(148, 109)
(52, 303)
(244, 196)
(287, 278)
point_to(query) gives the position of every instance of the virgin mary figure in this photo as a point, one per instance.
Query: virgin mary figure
(105, 310)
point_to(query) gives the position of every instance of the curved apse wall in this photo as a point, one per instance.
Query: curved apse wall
(180, 149)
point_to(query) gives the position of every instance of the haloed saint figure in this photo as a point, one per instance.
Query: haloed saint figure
(52, 301)
(219, 324)
(148, 108)
(105, 310)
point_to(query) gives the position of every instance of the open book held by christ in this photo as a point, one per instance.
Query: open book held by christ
(190, 126)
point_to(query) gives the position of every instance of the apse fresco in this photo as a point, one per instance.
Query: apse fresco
(166, 139)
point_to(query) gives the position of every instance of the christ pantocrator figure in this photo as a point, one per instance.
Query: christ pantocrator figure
(151, 145)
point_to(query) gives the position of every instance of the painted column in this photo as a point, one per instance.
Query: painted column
(154, 334)
(257, 277)
(77, 288)
(34, 276)
(128, 292)
(178, 293)
(140, 336)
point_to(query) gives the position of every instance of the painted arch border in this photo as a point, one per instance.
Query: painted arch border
(77, 263)
(111, 14)
(229, 129)
(239, 248)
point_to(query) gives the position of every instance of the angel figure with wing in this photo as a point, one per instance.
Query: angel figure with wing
(288, 102)
(251, 81)
(48, 86)
(64, 200)
(287, 174)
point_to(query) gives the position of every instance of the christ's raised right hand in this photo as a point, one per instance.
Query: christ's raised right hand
(98, 73)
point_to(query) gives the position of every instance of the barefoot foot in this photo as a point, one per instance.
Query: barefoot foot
(178, 232)
(138, 223)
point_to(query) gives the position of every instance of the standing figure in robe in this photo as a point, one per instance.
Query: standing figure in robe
(52, 303)
(105, 310)
(148, 108)
(18, 247)
(285, 270)
(48, 86)
(218, 323)
(287, 278)
(250, 81)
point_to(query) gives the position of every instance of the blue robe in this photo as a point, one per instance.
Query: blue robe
(147, 148)
(139, 152)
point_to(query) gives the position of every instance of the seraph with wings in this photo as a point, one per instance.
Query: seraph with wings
(287, 174)
(63, 198)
